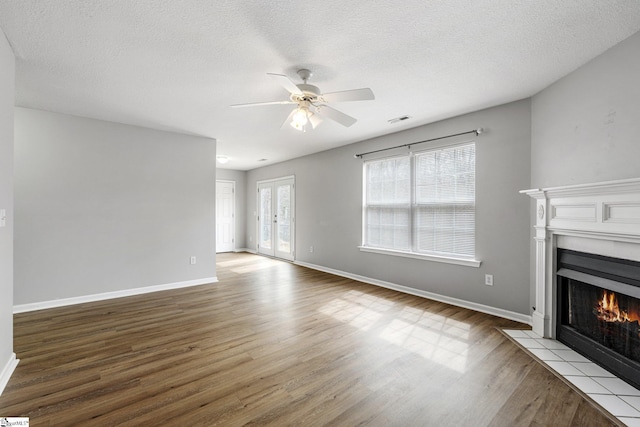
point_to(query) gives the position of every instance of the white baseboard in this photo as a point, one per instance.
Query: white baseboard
(7, 371)
(22, 308)
(251, 251)
(506, 314)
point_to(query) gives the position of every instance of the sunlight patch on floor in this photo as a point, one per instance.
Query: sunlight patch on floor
(430, 343)
(357, 309)
(263, 264)
(432, 336)
(237, 261)
(435, 321)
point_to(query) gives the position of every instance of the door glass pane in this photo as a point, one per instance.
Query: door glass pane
(265, 218)
(284, 218)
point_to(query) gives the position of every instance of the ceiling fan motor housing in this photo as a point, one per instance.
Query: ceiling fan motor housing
(309, 92)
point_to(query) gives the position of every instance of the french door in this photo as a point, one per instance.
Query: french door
(276, 218)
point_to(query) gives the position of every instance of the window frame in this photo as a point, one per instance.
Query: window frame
(470, 261)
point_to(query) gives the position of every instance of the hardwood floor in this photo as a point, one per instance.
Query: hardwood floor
(277, 344)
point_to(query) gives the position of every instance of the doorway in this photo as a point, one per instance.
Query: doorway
(276, 218)
(225, 216)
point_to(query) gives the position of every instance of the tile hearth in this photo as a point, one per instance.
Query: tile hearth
(614, 395)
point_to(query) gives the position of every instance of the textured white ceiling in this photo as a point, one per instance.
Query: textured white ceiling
(178, 65)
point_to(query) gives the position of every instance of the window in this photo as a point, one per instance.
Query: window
(422, 204)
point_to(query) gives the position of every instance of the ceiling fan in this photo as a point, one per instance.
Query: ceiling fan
(311, 103)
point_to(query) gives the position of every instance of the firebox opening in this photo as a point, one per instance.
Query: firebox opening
(599, 311)
(603, 316)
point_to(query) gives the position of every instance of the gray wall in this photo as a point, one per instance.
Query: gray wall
(240, 178)
(104, 207)
(329, 211)
(7, 85)
(586, 126)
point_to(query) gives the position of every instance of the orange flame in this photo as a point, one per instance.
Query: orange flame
(608, 310)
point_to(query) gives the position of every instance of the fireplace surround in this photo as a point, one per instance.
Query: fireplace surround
(600, 219)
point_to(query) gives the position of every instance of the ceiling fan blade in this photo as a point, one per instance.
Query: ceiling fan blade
(257, 104)
(285, 83)
(364, 94)
(338, 116)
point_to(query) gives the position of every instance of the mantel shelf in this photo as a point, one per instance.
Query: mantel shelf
(623, 186)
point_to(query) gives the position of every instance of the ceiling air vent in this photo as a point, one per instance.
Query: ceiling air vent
(399, 119)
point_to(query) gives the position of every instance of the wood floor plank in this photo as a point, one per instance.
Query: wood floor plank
(277, 344)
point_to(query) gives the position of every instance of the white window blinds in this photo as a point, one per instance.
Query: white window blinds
(422, 203)
(388, 199)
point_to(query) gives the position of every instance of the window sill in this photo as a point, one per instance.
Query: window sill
(449, 260)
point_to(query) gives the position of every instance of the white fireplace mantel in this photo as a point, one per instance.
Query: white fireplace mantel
(601, 218)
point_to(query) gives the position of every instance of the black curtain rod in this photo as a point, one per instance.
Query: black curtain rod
(476, 131)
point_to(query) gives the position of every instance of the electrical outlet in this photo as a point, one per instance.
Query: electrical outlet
(192, 260)
(310, 248)
(488, 279)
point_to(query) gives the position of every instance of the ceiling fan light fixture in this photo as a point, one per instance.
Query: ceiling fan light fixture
(300, 118)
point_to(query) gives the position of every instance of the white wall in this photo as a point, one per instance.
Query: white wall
(329, 211)
(7, 85)
(586, 126)
(105, 207)
(240, 178)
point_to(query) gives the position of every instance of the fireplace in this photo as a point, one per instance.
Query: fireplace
(587, 260)
(598, 310)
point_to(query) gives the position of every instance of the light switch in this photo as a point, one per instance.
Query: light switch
(3, 217)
